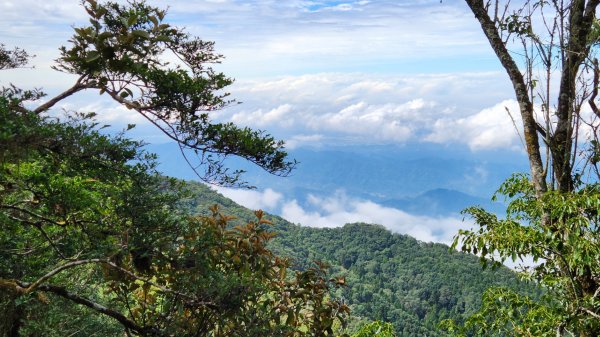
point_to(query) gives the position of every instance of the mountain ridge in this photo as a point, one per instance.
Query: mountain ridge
(390, 277)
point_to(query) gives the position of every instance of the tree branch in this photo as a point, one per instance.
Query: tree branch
(33, 214)
(55, 271)
(526, 107)
(590, 9)
(126, 322)
(586, 310)
(78, 86)
(188, 298)
(541, 130)
(595, 88)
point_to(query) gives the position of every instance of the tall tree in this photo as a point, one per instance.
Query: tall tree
(556, 40)
(548, 51)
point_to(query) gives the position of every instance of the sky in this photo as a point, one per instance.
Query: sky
(319, 74)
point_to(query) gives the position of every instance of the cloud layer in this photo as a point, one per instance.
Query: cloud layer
(334, 108)
(270, 38)
(311, 72)
(338, 209)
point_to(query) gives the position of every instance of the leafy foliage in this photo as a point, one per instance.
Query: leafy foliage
(565, 247)
(553, 213)
(85, 223)
(10, 59)
(376, 329)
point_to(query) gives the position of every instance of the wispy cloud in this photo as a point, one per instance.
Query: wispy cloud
(267, 37)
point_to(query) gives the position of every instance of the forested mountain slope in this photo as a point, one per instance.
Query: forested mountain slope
(390, 277)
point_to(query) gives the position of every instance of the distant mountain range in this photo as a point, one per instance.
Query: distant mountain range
(441, 201)
(417, 179)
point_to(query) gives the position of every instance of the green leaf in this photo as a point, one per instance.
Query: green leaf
(105, 35)
(163, 38)
(92, 56)
(141, 33)
(132, 20)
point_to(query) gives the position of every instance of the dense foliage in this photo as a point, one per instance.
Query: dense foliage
(389, 277)
(85, 234)
(566, 253)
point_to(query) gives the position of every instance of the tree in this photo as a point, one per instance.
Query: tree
(553, 213)
(122, 55)
(376, 329)
(92, 240)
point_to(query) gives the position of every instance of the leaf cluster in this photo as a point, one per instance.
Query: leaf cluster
(559, 232)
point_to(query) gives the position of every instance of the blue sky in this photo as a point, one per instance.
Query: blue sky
(319, 74)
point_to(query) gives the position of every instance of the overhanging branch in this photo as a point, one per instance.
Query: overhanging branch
(126, 322)
(78, 86)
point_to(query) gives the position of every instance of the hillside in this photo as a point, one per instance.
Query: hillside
(390, 277)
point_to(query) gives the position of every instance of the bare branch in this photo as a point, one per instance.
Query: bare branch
(541, 130)
(78, 86)
(588, 311)
(595, 84)
(526, 107)
(515, 125)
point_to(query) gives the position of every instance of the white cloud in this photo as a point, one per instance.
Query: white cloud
(374, 108)
(266, 200)
(113, 113)
(339, 209)
(372, 86)
(384, 122)
(490, 128)
(332, 108)
(266, 38)
(278, 115)
(281, 37)
(300, 140)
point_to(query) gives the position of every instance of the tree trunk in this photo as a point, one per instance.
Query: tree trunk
(532, 143)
